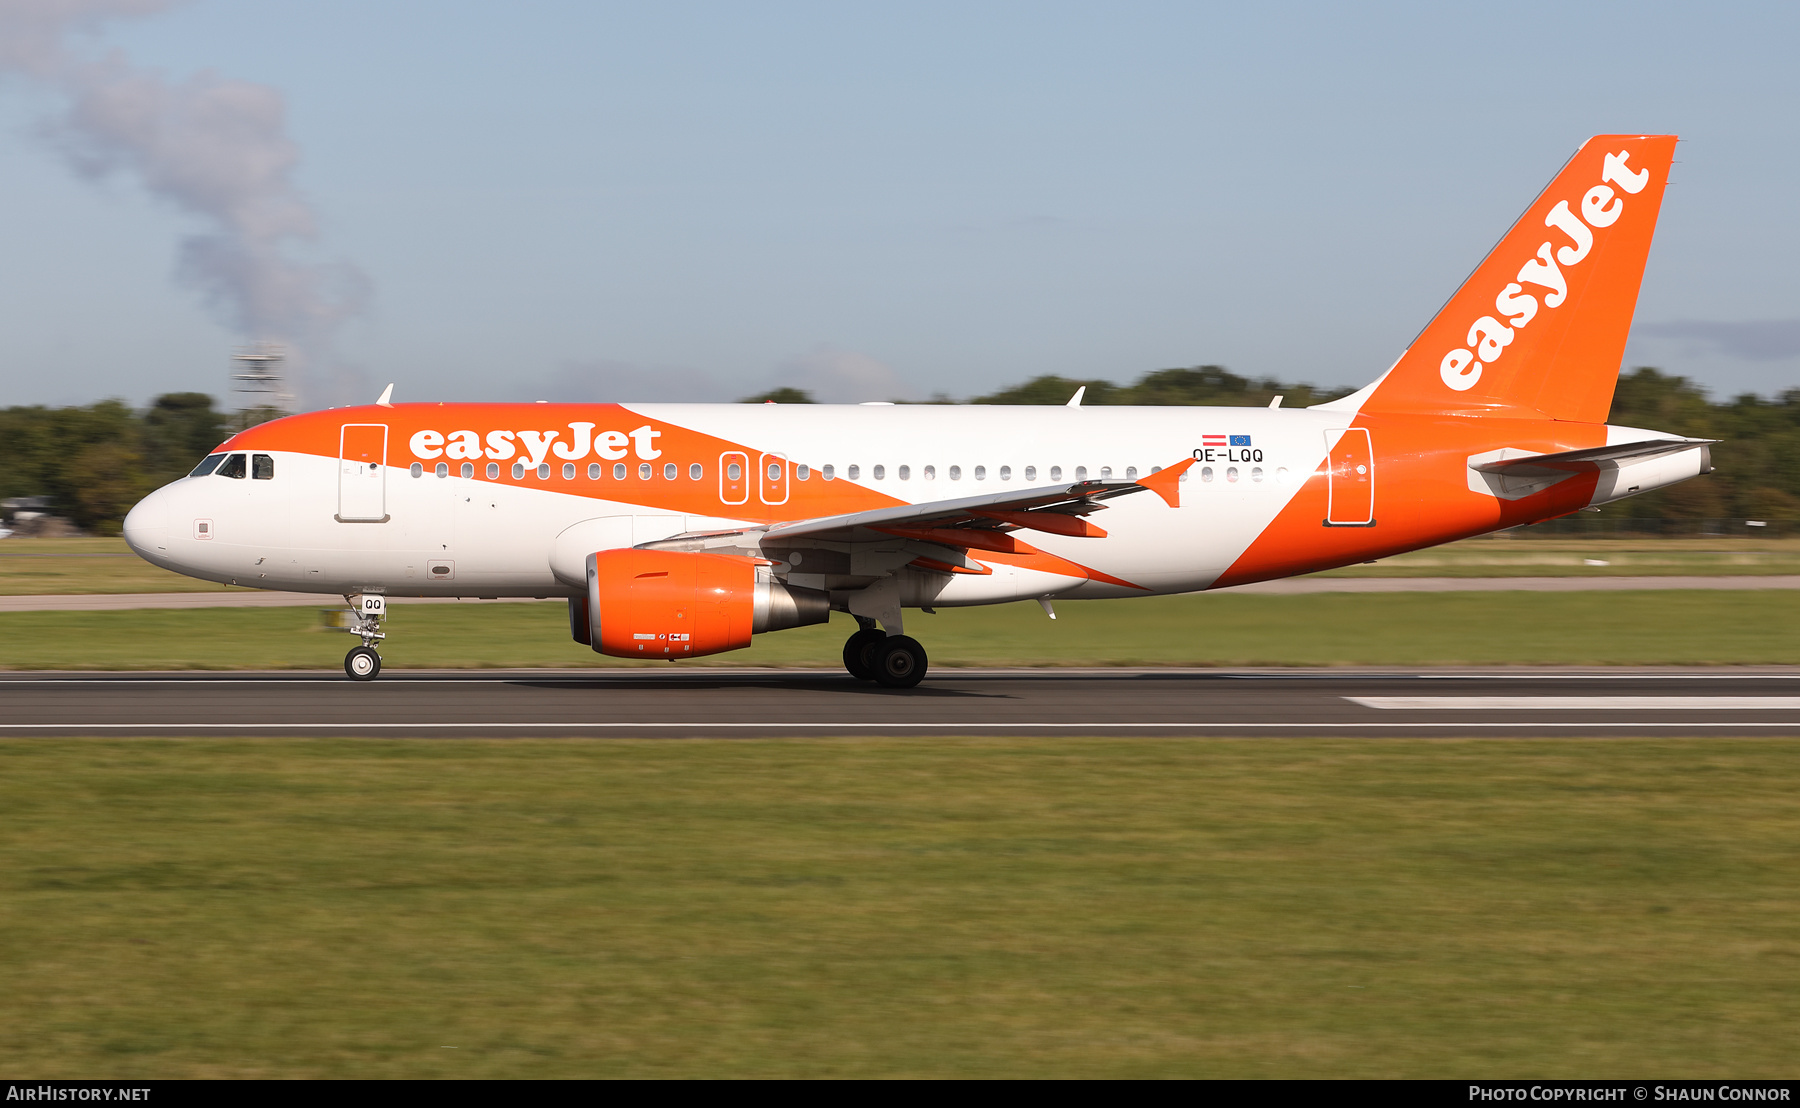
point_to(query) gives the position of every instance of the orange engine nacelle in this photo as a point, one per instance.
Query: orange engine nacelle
(671, 604)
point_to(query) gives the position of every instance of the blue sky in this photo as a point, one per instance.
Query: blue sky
(698, 201)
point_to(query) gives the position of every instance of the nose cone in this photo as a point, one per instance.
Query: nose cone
(147, 527)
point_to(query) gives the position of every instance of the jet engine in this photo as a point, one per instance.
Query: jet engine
(673, 604)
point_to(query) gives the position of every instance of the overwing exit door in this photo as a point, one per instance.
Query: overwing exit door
(1350, 495)
(362, 473)
(734, 483)
(773, 476)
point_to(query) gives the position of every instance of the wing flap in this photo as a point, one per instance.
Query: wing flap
(1051, 508)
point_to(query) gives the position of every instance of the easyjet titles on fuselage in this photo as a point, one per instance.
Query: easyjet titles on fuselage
(501, 445)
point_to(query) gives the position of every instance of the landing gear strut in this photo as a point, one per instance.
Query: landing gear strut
(366, 614)
(891, 661)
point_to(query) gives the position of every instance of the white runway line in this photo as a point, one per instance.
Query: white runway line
(1581, 703)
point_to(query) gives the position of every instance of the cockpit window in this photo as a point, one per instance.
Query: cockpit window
(262, 467)
(207, 465)
(233, 467)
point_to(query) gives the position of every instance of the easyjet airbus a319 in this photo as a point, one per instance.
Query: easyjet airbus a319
(679, 530)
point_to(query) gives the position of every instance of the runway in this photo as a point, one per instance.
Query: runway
(752, 703)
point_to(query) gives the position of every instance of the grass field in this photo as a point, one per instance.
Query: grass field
(1628, 556)
(1408, 629)
(94, 565)
(899, 907)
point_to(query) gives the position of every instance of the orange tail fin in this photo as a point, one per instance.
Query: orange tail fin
(1539, 328)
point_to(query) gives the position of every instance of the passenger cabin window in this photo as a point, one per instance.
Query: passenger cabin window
(695, 472)
(1055, 473)
(1030, 473)
(233, 467)
(493, 471)
(262, 467)
(855, 472)
(207, 465)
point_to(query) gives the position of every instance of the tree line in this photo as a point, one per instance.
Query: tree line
(94, 462)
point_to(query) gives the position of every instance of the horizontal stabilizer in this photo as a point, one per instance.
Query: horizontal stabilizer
(1586, 461)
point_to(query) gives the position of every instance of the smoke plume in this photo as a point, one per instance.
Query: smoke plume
(214, 148)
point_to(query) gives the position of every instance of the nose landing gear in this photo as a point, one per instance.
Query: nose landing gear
(891, 661)
(366, 614)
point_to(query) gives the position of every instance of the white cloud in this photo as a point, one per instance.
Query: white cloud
(1754, 340)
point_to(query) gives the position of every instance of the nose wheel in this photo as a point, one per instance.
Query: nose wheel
(891, 661)
(364, 620)
(362, 663)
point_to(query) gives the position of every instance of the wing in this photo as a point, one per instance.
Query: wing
(861, 552)
(1057, 509)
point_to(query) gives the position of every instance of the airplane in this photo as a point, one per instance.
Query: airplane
(677, 531)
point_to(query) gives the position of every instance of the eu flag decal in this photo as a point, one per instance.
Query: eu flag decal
(1240, 440)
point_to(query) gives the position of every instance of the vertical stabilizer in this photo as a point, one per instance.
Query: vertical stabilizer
(1539, 328)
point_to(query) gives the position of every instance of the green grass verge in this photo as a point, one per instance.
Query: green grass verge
(30, 567)
(1019, 907)
(1631, 556)
(1411, 629)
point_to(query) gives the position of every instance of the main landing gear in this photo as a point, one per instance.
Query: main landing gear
(891, 661)
(366, 614)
